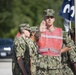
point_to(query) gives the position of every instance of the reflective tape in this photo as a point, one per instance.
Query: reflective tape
(48, 36)
(49, 49)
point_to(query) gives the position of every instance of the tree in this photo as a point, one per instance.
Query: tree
(15, 12)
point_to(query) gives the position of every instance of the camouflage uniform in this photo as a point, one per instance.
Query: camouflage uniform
(68, 57)
(32, 52)
(28, 50)
(33, 55)
(74, 70)
(49, 65)
(72, 33)
(21, 49)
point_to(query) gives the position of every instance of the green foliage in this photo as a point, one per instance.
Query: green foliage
(15, 12)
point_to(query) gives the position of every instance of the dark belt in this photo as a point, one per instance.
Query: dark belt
(39, 68)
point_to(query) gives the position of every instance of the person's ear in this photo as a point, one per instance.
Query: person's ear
(53, 19)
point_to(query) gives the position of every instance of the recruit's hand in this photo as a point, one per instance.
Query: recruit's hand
(66, 49)
(42, 27)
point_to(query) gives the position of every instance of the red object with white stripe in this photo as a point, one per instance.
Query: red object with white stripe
(50, 42)
(18, 34)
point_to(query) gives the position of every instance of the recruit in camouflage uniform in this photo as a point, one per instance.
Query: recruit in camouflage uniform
(22, 50)
(54, 63)
(68, 57)
(32, 50)
(74, 63)
(72, 34)
(47, 64)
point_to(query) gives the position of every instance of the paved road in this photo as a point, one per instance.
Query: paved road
(6, 67)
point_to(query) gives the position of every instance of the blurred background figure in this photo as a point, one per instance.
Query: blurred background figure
(69, 57)
(72, 34)
(33, 50)
(21, 63)
(66, 25)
